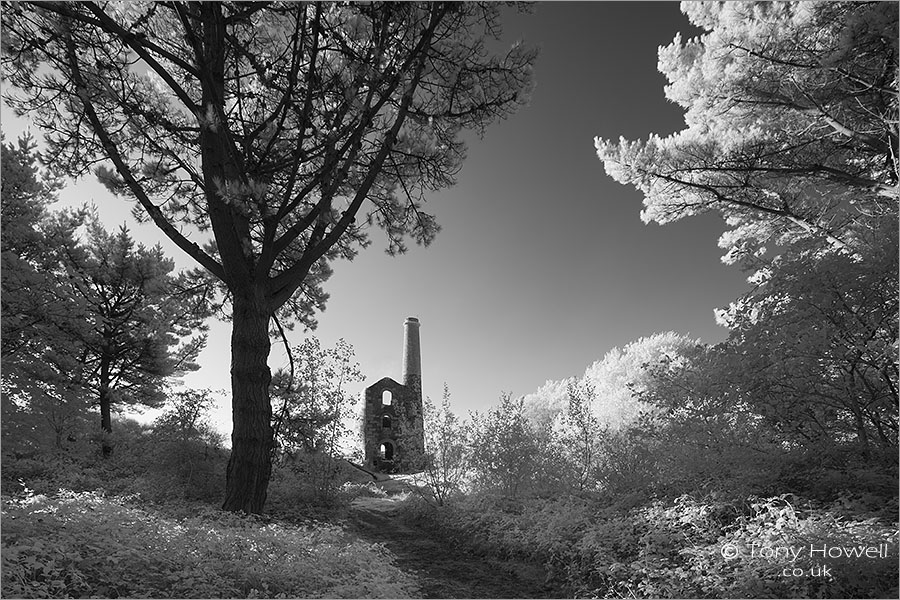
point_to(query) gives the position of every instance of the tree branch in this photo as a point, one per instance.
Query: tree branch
(112, 151)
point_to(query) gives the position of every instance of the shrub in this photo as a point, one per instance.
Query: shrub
(297, 488)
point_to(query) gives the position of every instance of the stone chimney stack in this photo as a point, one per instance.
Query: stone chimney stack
(412, 358)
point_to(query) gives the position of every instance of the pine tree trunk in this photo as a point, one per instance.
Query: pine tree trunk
(251, 439)
(105, 405)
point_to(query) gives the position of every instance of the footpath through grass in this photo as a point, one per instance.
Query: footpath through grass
(444, 569)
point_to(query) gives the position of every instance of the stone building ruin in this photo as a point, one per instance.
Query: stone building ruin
(393, 427)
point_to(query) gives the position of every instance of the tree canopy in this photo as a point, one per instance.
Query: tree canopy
(32, 240)
(614, 382)
(791, 124)
(792, 136)
(138, 324)
(286, 117)
(88, 316)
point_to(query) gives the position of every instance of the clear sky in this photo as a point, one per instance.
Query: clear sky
(543, 263)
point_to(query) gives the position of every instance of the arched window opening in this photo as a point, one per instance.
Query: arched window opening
(386, 398)
(386, 421)
(387, 451)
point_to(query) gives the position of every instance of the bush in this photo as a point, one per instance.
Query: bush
(78, 544)
(143, 461)
(314, 483)
(176, 469)
(47, 473)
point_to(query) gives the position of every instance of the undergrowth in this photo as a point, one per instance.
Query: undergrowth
(686, 547)
(85, 544)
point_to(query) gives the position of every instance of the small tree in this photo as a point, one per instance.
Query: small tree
(185, 416)
(311, 422)
(185, 447)
(445, 465)
(138, 317)
(504, 448)
(576, 434)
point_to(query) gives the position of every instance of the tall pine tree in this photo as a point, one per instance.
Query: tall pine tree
(144, 324)
(284, 133)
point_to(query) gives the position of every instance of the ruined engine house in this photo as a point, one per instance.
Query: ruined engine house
(393, 426)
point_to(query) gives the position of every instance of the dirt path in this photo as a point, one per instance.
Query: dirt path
(442, 571)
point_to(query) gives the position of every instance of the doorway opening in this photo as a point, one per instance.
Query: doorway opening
(386, 451)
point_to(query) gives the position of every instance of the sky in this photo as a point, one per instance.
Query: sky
(543, 264)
